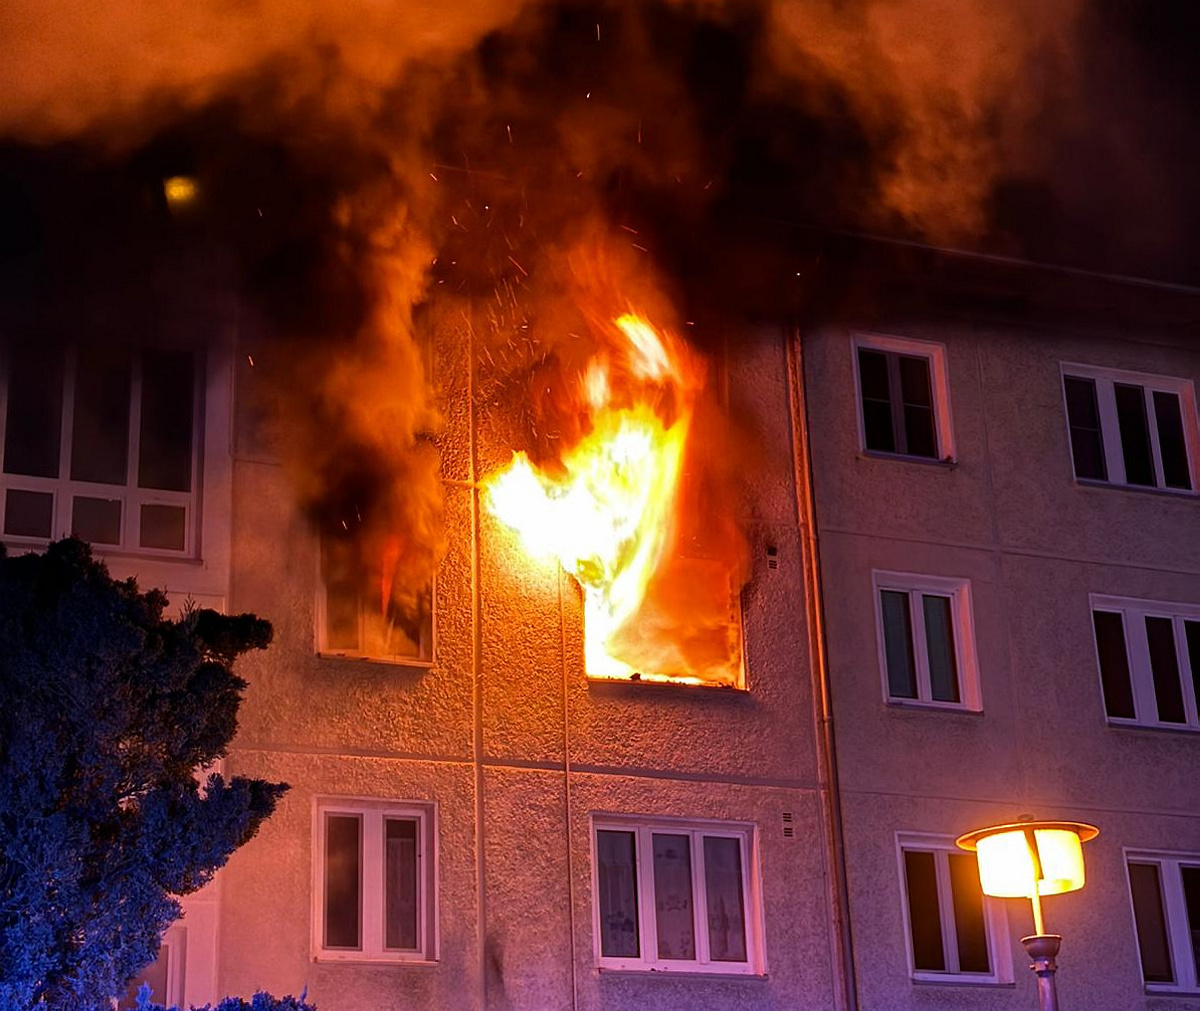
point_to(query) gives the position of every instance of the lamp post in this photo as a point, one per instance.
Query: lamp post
(1029, 859)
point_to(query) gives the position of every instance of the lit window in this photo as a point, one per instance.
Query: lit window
(359, 614)
(101, 443)
(1165, 891)
(1149, 659)
(952, 928)
(374, 886)
(676, 897)
(926, 642)
(1131, 429)
(903, 397)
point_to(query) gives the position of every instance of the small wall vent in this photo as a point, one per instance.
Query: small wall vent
(789, 830)
(772, 557)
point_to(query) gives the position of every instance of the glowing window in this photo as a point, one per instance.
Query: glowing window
(1131, 429)
(1164, 889)
(904, 399)
(676, 897)
(374, 881)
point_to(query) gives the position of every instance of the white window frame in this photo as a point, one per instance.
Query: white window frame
(174, 950)
(643, 829)
(1110, 429)
(320, 631)
(373, 813)
(132, 497)
(995, 917)
(965, 655)
(935, 354)
(1183, 960)
(1137, 656)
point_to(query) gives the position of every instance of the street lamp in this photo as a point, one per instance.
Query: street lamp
(1030, 859)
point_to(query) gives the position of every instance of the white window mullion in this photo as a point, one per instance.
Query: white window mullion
(941, 863)
(373, 899)
(699, 899)
(1145, 702)
(916, 608)
(644, 857)
(1175, 910)
(1155, 448)
(1110, 431)
(1183, 663)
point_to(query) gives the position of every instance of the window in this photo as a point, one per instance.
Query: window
(926, 641)
(101, 442)
(1165, 891)
(676, 897)
(952, 928)
(1149, 660)
(164, 976)
(360, 615)
(904, 397)
(1131, 429)
(375, 881)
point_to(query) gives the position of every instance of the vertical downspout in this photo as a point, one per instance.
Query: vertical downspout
(477, 678)
(841, 937)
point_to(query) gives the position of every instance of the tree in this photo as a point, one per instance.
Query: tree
(107, 712)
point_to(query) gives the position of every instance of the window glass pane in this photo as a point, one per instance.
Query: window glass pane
(1171, 445)
(1151, 924)
(1191, 635)
(970, 925)
(165, 437)
(100, 424)
(343, 866)
(917, 396)
(1083, 419)
(897, 644)
(339, 573)
(28, 513)
(1135, 435)
(96, 520)
(164, 526)
(939, 641)
(33, 429)
(876, 401)
(400, 883)
(924, 916)
(616, 874)
(674, 915)
(1114, 664)
(1168, 692)
(1191, 898)
(723, 891)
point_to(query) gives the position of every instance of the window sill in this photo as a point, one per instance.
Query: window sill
(948, 979)
(1163, 990)
(402, 662)
(706, 974)
(939, 707)
(946, 463)
(667, 684)
(1157, 728)
(326, 958)
(1137, 489)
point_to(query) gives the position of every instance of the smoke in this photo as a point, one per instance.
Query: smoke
(367, 166)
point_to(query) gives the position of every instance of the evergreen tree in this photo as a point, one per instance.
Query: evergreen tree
(107, 712)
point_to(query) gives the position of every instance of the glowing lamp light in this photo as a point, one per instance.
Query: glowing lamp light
(180, 191)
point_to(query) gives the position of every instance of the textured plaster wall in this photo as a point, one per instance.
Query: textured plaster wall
(1009, 516)
(505, 734)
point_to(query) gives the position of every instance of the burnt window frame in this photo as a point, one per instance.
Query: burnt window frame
(894, 348)
(1105, 381)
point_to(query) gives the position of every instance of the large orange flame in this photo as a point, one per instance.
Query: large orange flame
(609, 511)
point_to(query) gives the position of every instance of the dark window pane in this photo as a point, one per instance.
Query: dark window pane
(1083, 418)
(1164, 664)
(939, 640)
(924, 916)
(1114, 664)
(917, 397)
(165, 437)
(400, 884)
(1135, 434)
(96, 520)
(897, 645)
(164, 526)
(1171, 444)
(1151, 923)
(343, 868)
(876, 401)
(616, 873)
(673, 910)
(154, 976)
(970, 925)
(723, 888)
(100, 425)
(33, 429)
(1191, 898)
(28, 513)
(1191, 634)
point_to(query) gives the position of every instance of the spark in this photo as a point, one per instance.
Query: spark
(433, 177)
(518, 266)
(508, 129)
(250, 359)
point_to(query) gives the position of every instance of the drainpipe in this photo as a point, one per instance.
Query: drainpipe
(845, 987)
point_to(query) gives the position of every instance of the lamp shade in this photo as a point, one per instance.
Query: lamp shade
(1028, 858)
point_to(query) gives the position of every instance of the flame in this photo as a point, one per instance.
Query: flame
(609, 512)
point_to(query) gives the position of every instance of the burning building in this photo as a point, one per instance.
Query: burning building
(589, 493)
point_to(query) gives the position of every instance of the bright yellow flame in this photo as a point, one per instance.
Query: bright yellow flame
(1006, 865)
(607, 512)
(180, 191)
